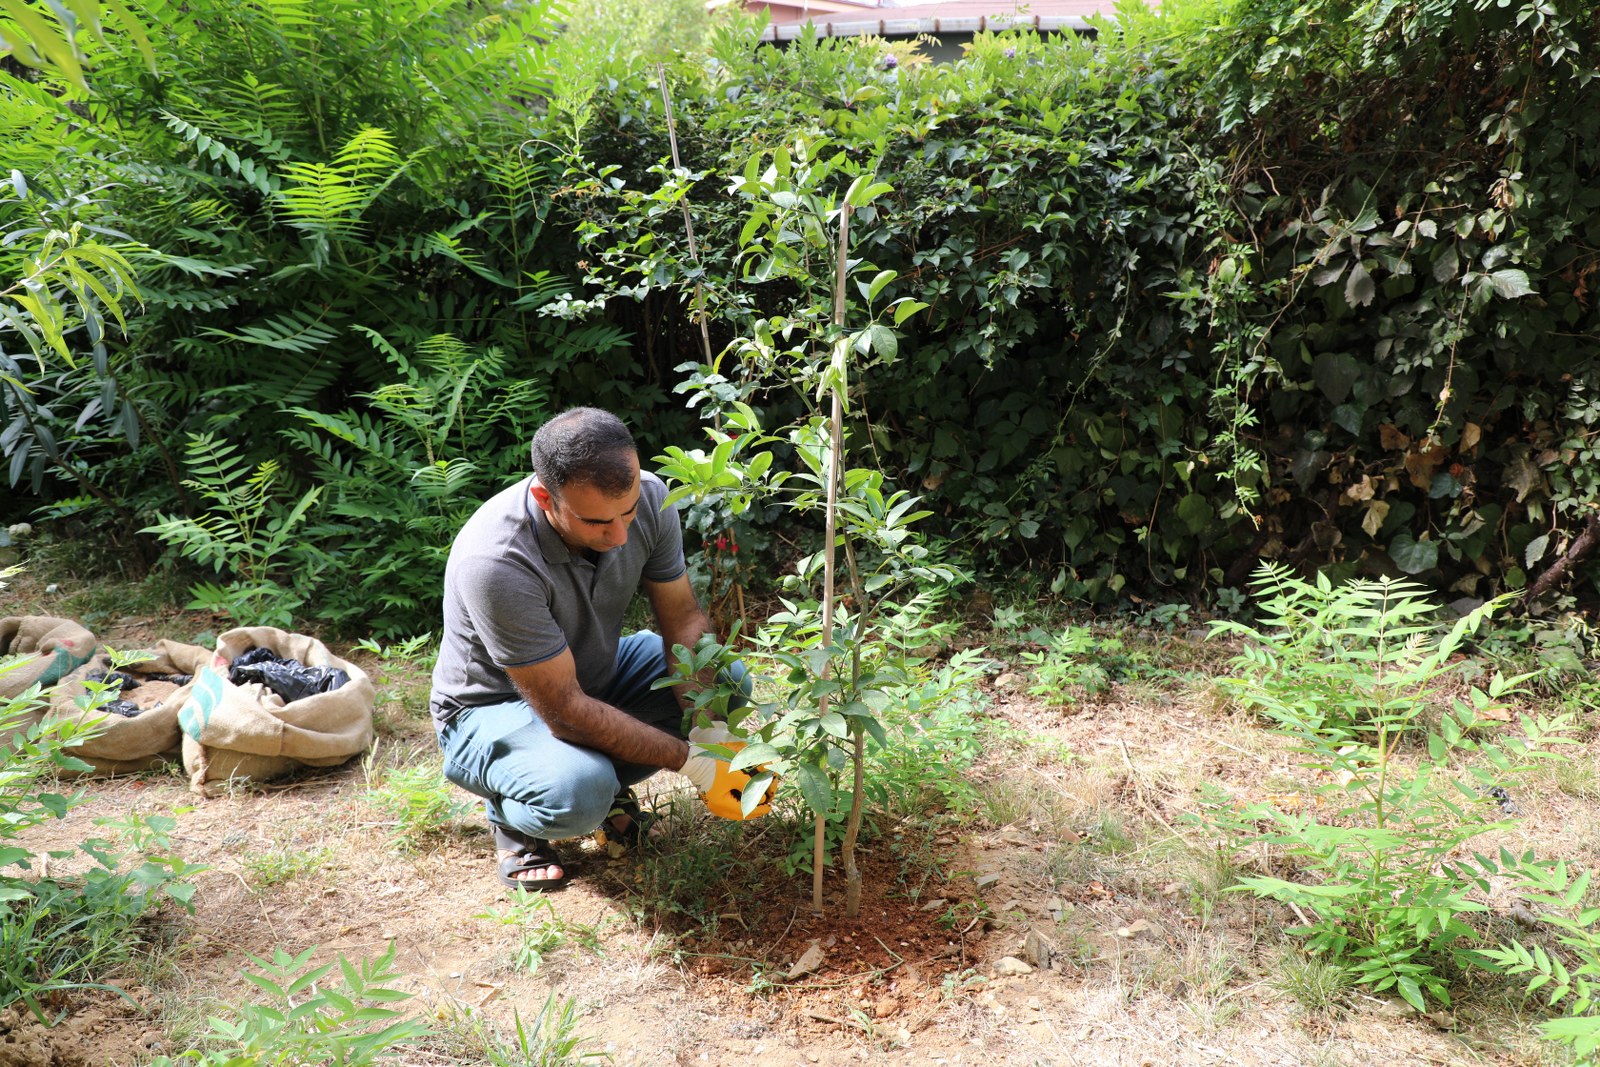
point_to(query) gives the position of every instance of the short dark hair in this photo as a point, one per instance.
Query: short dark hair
(585, 446)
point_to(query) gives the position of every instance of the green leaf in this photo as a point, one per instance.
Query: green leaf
(1511, 283)
(1413, 556)
(815, 787)
(904, 309)
(883, 341)
(1335, 374)
(754, 755)
(759, 788)
(1196, 512)
(1535, 550)
(1447, 266)
(1359, 288)
(864, 191)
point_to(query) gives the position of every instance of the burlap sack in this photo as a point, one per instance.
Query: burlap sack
(235, 732)
(57, 647)
(129, 745)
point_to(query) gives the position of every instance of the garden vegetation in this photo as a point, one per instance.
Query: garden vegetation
(288, 285)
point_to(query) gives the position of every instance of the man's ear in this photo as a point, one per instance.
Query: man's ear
(542, 497)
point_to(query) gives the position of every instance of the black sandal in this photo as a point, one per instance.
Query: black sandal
(617, 842)
(527, 854)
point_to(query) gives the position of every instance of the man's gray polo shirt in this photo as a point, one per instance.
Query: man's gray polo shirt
(515, 595)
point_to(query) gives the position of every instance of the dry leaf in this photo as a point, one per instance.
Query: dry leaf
(1422, 463)
(1392, 439)
(809, 961)
(1373, 520)
(1471, 433)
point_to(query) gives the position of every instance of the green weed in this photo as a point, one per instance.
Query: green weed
(1317, 983)
(311, 1015)
(540, 930)
(1389, 879)
(1202, 974)
(694, 879)
(421, 803)
(58, 934)
(1080, 665)
(550, 1039)
(1110, 836)
(267, 869)
(418, 650)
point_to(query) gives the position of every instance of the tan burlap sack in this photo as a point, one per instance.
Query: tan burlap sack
(56, 648)
(129, 745)
(235, 732)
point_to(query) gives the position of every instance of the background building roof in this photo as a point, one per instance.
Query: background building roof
(954, 16)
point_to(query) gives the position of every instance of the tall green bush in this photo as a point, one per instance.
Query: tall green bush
(294, 180)
(1420, 178)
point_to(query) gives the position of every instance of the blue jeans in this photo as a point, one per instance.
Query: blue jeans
(537, 785)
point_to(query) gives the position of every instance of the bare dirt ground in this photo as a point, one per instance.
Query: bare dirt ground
(1076, 918)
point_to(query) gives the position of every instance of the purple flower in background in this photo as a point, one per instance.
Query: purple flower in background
(1011, 53)
(890, 62)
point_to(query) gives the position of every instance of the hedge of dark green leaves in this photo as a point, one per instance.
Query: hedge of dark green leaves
(1311, 283)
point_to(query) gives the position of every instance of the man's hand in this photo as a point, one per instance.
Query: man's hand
(720, 787)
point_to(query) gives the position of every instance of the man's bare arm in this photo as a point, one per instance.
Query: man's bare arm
(682, 622)
(552, 689)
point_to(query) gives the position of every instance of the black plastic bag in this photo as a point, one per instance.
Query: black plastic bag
(289, 678)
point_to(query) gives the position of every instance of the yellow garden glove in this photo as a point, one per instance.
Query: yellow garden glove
(719, 786)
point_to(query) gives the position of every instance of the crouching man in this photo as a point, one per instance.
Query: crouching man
(542, 706)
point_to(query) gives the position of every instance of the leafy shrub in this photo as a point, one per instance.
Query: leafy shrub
(67, 932)
(288, 182)
(248, 533)
(420, 801)
(1567, 976)
(1382, 862)
(309, 1017)
(407, 470)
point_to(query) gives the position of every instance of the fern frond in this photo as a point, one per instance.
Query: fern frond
(190, 299)
(443, 478)
(195, 268)
(210, 459)
(250, 171)
(382, 344)
(265, 106)
(518, 403)
(542, 287)
(294, 19)
(371, 438)
(321, 198)
(367, 155)
(450, 247)
(292, 331)
(445, 353)
(330, 198)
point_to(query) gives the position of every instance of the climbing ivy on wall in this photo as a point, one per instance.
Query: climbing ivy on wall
(1311, 285)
